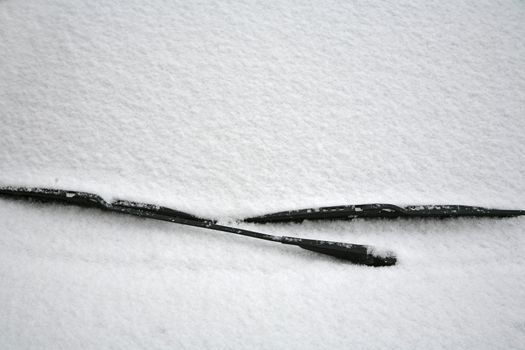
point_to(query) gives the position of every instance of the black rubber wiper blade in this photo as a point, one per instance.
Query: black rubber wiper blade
(348, 212)
(86, 199)
(450, 211)
(78, 198)
(157, 209)
(355, 253)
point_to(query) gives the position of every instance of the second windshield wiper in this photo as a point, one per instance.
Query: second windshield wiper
(386, 211)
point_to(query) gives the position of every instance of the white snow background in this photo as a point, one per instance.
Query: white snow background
(227, 109)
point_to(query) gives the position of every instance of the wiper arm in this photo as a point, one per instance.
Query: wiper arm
(349, 212)
(355, 253)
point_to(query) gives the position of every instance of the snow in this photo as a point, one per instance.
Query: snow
(235, 109)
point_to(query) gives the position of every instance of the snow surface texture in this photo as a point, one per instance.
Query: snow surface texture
(229, 109)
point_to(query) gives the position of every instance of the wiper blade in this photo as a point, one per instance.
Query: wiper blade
(83, 199)
(86, 199)
(355, 253)
(155, 209)
(386, 211)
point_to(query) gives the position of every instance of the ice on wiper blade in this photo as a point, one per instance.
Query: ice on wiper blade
(355, 253)
(348, 212)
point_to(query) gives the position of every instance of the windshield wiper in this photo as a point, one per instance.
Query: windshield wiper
(355, 253)
(386, 211)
